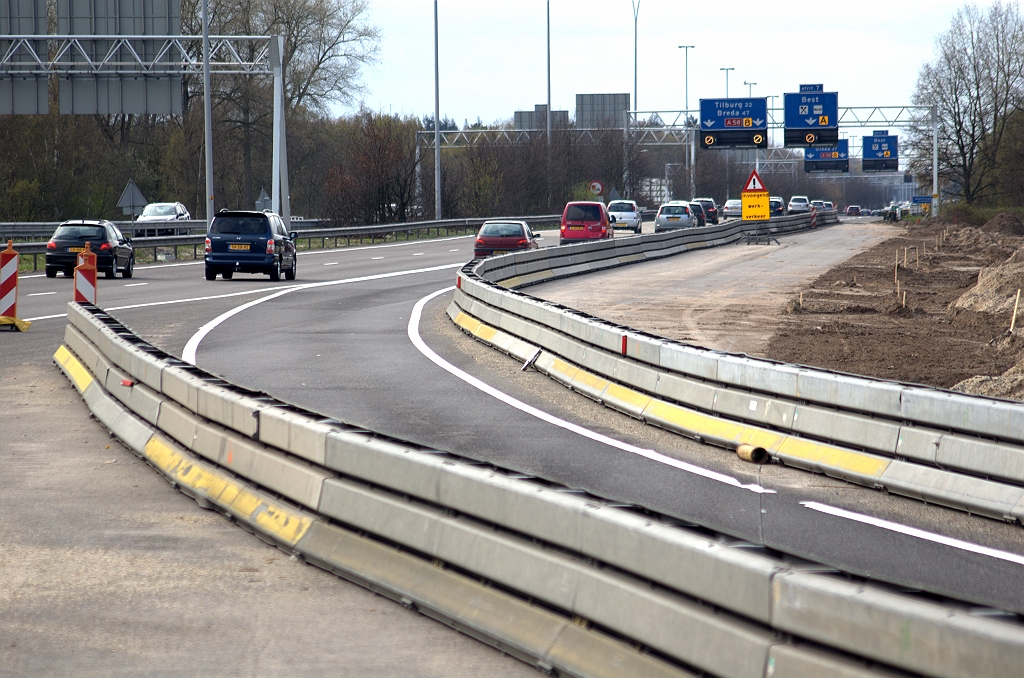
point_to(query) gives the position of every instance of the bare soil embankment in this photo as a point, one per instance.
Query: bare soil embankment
(952, 330)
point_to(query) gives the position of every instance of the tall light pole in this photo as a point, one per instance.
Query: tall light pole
(549, 104)
(687, 72)
(750, 88)
(207, 113)
(727, 80)
(636, 13)
(437, 126)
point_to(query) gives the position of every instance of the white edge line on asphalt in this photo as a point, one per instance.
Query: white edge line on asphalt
(189, 354)
(914, 532)
(417, 340)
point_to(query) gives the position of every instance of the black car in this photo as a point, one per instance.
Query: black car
(710, 209)
(249, 242)
(697, 210)
(776, 207)
(113, 251)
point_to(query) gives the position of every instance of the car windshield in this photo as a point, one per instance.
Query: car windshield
(583, 213)
(240, 225)
(160, 209)
(674, 209)
(500, 230)
(621, 207)
(80, 233)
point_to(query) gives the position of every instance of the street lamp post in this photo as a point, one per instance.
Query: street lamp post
(750, 88)
(636, 13)
(693, 132)
(687, 73)
(727, 80)
(437, 127)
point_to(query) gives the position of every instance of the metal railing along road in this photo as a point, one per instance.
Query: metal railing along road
(308, 230)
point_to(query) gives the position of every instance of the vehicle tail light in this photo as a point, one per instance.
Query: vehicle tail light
(51, 245)
(480, 242)
(105, 246)
(270, 246)
(520, 242)
(209, 247)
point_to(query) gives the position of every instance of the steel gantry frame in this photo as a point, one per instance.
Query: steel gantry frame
(675, 130)
(170, 55)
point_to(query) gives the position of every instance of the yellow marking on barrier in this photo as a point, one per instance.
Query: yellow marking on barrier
(467, 322)
(631, 257)
(591, 380)
(707, 426)
(564, 368)
(628, 396)
(162, 455)
(246, 502)
(509, 283)
(833, 457)
(80, 375)
(485, 332)
(285, 525)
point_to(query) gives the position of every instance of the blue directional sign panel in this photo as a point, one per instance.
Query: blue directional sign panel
(811, 110)
(922, 200)
(733, 114)
(881, 152)
(834, 159)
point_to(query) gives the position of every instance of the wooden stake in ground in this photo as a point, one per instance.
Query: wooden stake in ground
(904, 257)
(904, 299)
(801, 301)
(1013, 320)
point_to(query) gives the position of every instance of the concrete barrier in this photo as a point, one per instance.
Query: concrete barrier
(720, 609)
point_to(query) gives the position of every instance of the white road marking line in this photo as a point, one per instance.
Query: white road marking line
(332, 263)
(414, 336)
(40, 294)
(453, 250)
(418, 254)
(189, 354)
(136, 284)
(375, 258)
(914, 532)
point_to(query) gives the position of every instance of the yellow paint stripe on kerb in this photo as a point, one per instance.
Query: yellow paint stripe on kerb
(467, 322)
(710, 427)
(78, 372)
(485, 332)
(828, 457)
(593, 381)
(628, 396)
(565, 368)
(288, 526)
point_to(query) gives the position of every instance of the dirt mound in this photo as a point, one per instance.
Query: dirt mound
(1009, 384)
(969, 239)
(1004, 224)
(996, 290)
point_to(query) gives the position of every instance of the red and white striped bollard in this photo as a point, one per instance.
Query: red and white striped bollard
(9, 289)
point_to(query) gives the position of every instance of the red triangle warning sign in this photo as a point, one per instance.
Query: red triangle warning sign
(754, 183)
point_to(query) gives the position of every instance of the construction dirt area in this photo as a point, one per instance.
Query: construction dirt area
(928, 303)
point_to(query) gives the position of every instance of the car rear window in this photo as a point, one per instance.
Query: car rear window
(81, 233)
(696, 207)
(241, 225)
(799, 200)
(499, 230)
(621, 207)
(706, 204)
(674, 209)
(583, 213)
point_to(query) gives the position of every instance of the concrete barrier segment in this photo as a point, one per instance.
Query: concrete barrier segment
(796, 661)
(77, 372)
(531, 633)
(181, 386)
(87, 352)
(228, 408)
(954, 490)
(981, 457)
(914, 635)
(139, 398)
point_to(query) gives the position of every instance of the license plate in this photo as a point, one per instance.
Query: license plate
(576, 228)
(673, 218)
(244, 247)
(500, 252)
(76, 249)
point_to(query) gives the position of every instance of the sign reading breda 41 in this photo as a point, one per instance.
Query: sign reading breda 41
(734, 123)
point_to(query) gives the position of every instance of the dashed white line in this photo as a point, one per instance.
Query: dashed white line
(417, 340)
(331, 263)
(914, 532)
(136, 284)
(41, 294)
(375, 258)
(418, 254)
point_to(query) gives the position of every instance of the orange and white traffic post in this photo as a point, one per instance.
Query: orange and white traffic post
(85, 277)
(9, 289)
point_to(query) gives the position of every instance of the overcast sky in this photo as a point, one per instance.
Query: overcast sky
(492, 52)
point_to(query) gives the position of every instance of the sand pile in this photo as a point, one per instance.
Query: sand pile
(996, 289)
(1008, 385)
(1005, 225)
(970, 240)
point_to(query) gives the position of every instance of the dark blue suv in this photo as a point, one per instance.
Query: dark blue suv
(249, 242)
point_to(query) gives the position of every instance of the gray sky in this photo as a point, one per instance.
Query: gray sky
(492, 52)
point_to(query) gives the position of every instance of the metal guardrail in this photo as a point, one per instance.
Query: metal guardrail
(961, 451)
(307, 229)
(479, 547)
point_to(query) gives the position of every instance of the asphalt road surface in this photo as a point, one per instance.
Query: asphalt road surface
(341, 346)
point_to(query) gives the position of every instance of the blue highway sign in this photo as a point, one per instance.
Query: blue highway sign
(828, 159)
(881, 152)
(922, 200)
(718, 115)
(811, 110)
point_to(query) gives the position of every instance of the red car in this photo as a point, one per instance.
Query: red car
(853, 211)
(502, 237)
(582, 221)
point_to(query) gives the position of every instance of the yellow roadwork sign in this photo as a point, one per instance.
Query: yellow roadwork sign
(754, 198)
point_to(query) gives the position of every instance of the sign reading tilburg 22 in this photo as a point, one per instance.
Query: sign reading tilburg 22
(734, 123)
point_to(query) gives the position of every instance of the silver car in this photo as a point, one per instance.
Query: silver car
(673, 215)
(799, 204)
(732, 208)
(627, 215)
